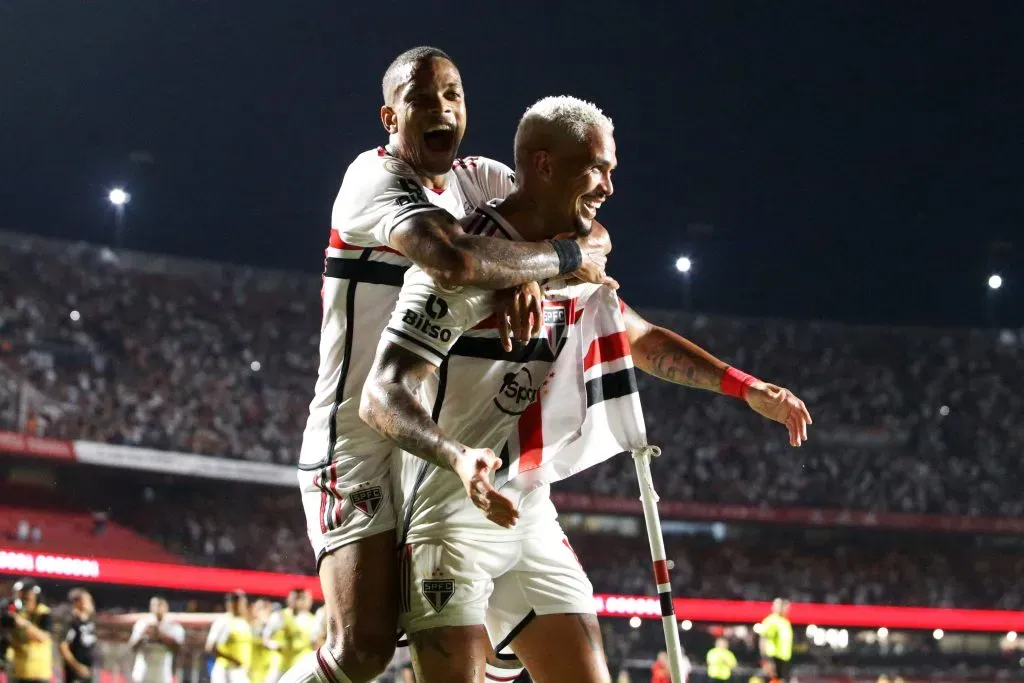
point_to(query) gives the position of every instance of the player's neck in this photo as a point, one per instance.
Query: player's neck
(531, 218)
(431, 182)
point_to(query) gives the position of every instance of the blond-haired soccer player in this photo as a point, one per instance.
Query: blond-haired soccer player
(443, 388)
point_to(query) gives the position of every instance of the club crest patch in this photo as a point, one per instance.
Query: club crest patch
(367, 500)
(438, 592)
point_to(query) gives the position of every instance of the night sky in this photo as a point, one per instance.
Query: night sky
(842, 160)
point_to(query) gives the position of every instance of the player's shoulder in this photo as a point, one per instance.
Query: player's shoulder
(376, 167)
(482, 171)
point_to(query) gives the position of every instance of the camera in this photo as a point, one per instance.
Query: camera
(9, 608)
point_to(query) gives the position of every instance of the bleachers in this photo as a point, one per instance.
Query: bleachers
(74, 533)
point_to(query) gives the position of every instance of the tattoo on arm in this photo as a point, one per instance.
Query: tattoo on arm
(434, 242)
(670, 357)
(390, 405)
(588, 626)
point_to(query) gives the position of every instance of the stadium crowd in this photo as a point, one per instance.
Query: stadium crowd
(203, 358)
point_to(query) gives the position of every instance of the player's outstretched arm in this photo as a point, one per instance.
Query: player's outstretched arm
(666, 355)
(389, 404)
(433, 241)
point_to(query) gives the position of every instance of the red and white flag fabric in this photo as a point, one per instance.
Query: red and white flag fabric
(589, 409)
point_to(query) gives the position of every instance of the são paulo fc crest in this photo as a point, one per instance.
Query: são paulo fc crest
(438, 592)
(367, 501)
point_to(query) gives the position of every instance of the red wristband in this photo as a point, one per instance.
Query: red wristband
(736, 382)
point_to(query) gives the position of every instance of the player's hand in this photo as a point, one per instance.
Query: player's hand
(474, 467)
(83, 671)
(769, 667)
(783, 406)
(520, 313)
(595, 248)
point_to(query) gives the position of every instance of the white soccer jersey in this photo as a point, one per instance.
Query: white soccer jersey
(154, 660)
(362, 278)
(479, 392)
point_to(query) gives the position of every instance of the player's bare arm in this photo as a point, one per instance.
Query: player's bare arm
(390, 405)
(433, 241)
(668, 356)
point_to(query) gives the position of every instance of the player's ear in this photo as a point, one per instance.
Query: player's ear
(543, 164)
(389, 119)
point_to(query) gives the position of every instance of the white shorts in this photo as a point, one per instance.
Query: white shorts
(346, 501)
(502, 585)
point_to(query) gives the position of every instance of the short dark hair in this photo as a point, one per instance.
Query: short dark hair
(414, 56)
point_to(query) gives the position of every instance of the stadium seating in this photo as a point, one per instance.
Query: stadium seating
(164, 353)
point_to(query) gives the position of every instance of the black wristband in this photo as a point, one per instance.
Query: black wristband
(570, 256)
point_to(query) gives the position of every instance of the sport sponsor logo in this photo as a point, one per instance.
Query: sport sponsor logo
(367, 500)
(421, 322)
(517, 392)
(438, 592)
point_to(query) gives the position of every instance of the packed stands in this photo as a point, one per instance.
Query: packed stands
(205, 358)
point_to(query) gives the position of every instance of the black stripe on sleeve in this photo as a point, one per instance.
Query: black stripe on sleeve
(434, 353)
(364, 270)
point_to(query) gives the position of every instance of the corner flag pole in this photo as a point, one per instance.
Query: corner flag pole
(649, 498)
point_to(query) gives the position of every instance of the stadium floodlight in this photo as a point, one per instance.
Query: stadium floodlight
(684, 264)
(118, 197)
(995, 281)
(938, 634)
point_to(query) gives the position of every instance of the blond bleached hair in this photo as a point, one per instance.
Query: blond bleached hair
(557, 119)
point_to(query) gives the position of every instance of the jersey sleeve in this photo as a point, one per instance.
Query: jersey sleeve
(218, 633)
(495, 179)
(377, 194)
(71, 633)
(427, 320)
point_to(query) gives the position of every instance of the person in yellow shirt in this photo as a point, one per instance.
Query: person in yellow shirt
(230, 640)
(299, 626)
(262, 656)
(720, 661)
(31, 642)
(777, 642)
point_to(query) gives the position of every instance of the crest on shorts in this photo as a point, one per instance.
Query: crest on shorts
(438, 592)
(367, 500)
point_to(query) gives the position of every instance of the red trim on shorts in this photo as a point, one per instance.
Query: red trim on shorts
(323, 667)
(565, 542)
(321, 476)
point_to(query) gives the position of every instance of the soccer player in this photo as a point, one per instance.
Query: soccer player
(398, 204)
(230, 641)
(155, 640)
(721, 661)
(777, 642)
(78, 649)
(471, 582)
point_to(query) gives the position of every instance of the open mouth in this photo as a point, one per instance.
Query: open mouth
(440, 139)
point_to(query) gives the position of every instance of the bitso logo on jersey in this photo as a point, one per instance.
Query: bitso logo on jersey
(438, 591)
(368, 500)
